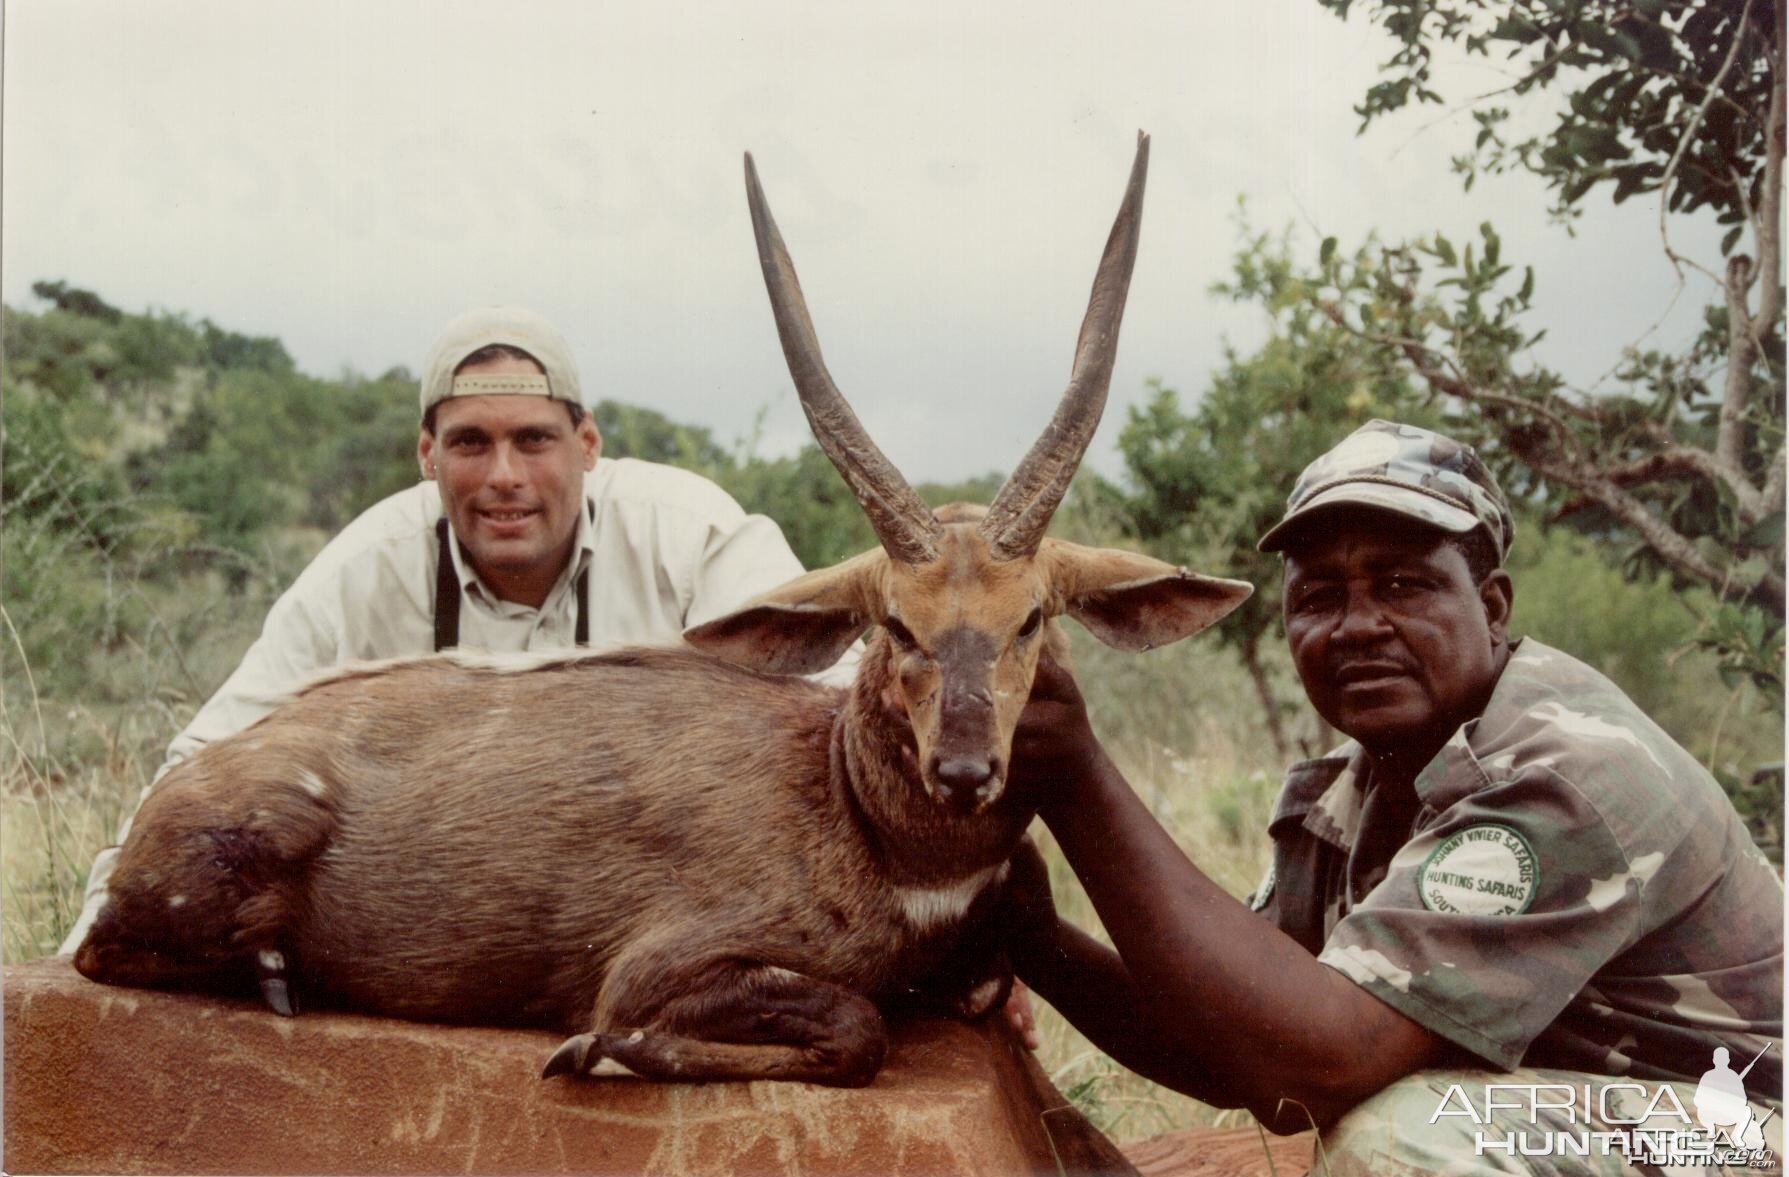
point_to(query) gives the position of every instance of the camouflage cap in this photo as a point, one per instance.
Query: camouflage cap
(1408, 471)
(514, 327)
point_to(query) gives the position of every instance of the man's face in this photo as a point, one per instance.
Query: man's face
(511, 472)
(1395, 644)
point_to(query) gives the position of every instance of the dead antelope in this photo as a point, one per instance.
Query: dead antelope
(703, 868)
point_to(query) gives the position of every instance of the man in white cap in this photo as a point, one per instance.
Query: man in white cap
(520, 538)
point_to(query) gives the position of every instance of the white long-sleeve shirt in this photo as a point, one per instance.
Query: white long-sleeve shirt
(666, 550)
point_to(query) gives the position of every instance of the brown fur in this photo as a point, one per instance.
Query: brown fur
(550, 846)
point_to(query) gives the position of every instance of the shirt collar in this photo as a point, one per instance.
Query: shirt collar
(1324, 795)
(583, 551)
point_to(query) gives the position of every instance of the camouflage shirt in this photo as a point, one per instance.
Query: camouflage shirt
(1575, 891)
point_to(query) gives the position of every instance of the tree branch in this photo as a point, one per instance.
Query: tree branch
(1774, 480)
(1683, 142)
(1562, 464)
(1746, 330)
(1671, 545)
(1768, 221)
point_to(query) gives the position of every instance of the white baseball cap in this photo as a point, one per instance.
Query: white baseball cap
(514, 327)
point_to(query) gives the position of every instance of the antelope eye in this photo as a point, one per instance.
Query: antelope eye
(1032, 622)
(901, 634)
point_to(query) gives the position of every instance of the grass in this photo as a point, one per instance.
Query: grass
(79, 742)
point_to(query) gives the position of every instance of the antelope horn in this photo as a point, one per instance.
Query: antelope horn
(902, 521)
(1015, 522)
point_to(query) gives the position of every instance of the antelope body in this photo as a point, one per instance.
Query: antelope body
(699, 866)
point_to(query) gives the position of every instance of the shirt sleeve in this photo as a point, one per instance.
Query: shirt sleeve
(739, 561)
(1489, 922)
(296, 642)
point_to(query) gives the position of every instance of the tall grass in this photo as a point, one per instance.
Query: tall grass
(85, 718)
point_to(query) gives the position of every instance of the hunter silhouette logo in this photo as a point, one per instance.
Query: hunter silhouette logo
(1721, 1102)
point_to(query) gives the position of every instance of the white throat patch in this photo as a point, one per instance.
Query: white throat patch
(927, 908)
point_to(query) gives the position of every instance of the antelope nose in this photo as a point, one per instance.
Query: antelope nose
(962, 779)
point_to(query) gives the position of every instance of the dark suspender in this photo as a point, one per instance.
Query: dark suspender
(447, 592)
(447, 596)
(581, 635)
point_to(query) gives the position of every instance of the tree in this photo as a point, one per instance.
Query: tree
(76, 301)
(629, 431)
(227, 349)
(1205, 485)
(1686, 460)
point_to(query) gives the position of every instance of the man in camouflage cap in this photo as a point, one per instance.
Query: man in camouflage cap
(1508, 868)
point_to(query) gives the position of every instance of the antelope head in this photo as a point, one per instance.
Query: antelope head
(962, 595)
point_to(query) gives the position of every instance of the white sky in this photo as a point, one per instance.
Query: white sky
(348, 176)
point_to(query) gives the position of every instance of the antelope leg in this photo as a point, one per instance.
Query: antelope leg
(747, 1021)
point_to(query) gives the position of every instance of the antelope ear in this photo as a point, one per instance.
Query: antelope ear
(1136, 602)
(802, 627)
(780, 639)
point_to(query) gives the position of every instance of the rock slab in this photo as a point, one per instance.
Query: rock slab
(1223, 1152)
(109, 1080)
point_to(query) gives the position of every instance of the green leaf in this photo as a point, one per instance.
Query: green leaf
(1766, 533)
(1327, 252)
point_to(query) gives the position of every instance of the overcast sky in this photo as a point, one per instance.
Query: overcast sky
(348, 176)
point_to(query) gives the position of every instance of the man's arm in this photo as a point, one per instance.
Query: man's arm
(1202, 993)
(1087, 983)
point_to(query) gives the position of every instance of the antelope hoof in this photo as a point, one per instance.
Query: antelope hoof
(275, 990)
(587, 1054)
(278, 996)
(570, 1057)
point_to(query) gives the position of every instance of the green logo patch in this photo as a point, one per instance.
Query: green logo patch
(1482, 870)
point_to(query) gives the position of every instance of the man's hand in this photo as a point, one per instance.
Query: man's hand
(1020, 1016)
(1054, 747)
(1028, 911)
(1029, 918)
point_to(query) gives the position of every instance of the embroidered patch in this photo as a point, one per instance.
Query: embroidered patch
(1482, 870)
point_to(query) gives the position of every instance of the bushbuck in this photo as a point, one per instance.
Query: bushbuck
(700, 864)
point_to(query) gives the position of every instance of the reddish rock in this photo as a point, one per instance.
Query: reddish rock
(1222, 1152)
(108, 1080)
